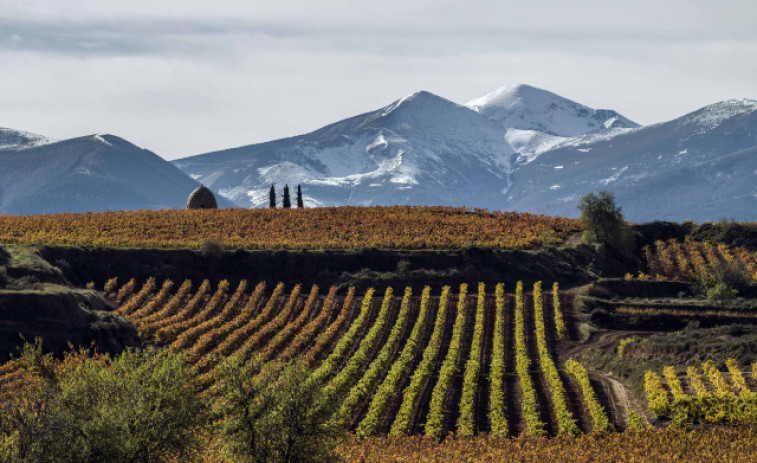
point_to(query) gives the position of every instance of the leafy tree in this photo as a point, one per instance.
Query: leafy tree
(719, 282)
(137, 406)
(272, 198)
(300, 203)
(602, 222)
(268, 416)
(287, 203)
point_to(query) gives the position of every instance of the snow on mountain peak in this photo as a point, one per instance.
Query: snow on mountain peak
(419, 101)
(512, 97)
(16, 139)
(713, 115)
(101, 138)
(529, 108)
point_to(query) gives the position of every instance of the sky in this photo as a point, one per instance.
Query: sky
(187, 77)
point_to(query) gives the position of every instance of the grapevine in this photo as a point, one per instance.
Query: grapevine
(448, 370)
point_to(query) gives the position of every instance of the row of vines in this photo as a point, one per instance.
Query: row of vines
(387, 364)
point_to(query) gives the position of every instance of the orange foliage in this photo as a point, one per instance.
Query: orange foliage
(396, 227)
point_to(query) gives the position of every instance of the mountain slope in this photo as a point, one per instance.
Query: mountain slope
(701, 166)
(422, 149)
(10, 139)
(93, 173)
(519, 149)
(537, 120)
(529, 108)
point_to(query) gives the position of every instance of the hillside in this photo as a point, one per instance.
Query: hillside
(516, 148)
(478, 341)
(698, 167)
(536, 120)
(86, 174)
(419, 150)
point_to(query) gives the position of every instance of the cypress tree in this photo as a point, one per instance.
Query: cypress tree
(272, 198)
(300, 204)
(287, 203)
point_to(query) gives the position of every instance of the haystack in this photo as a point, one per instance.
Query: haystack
(202, 198)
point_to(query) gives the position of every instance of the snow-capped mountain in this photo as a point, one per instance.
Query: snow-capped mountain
(92, 173)
(421, 149)
(536, 120)
(517, 148)
(10, 138)
(702, 166)
(529, 108)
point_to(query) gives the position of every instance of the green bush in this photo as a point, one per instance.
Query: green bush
(138, 406)
(266, 415)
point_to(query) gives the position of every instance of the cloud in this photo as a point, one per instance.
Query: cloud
(202, 76)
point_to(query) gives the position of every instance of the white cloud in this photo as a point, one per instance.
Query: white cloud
(190, 77)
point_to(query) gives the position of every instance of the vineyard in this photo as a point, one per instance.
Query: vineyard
(397, 227)
(693, 261)
(705, 395)
(464, 360)
(720, 444)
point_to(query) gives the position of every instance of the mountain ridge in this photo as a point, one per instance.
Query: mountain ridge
(95, 172)
(515, 148)
(515, 169)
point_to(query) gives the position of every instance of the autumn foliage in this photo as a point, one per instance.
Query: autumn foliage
(397, 227)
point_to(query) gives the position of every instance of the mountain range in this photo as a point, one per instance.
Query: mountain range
(516, 148)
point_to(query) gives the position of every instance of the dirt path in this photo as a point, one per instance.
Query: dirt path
(614, 395)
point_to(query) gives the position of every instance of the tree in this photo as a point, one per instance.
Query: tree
(272, 198)
(137, 406)
(267, 414)
(287, 203)
(602, 222)
(300, 203)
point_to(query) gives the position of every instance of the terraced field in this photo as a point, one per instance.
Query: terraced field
(466, 360)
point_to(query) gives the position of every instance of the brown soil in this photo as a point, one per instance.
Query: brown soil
(573, 395)
(567, 300)
(612, 393)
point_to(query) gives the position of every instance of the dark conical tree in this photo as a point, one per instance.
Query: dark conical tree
(272, 198)
(300, 204)
(287, 203)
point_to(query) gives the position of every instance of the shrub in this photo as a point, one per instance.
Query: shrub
(137, 406)
(212, 248)
(266, 415)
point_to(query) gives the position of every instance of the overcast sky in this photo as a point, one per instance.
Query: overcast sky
(192, 76)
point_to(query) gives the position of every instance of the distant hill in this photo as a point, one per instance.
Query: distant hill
(92, 173)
